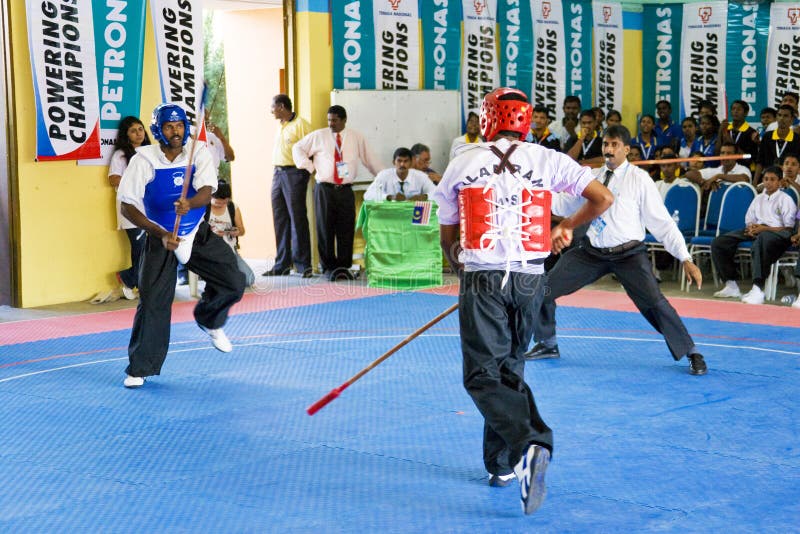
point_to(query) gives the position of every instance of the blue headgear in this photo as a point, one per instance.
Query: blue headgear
(168, 113)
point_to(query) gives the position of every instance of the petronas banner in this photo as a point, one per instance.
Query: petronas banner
(661, 56)
(748, 36)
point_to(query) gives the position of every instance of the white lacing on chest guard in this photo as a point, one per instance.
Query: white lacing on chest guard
(489, 217)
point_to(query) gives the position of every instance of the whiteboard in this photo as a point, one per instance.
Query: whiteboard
(391, 119)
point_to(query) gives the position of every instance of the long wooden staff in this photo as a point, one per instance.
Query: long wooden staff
(187, 175)
(335, 392)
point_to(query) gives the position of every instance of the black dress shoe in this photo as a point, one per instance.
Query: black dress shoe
(341, 274)
(542, 352)
(697, 365)
(308, 273)
(276, 272)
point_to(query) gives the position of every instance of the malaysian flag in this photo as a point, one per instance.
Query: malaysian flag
(422, 213)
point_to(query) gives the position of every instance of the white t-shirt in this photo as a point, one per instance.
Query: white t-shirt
(388, 183)
(709, 172)
(221, 223)
(536, 166)
(117, 167)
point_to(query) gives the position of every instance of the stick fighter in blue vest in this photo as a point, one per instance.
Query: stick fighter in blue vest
(494, 215)
(150, 193)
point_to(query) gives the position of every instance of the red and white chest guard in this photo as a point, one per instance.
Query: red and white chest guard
(484, 221)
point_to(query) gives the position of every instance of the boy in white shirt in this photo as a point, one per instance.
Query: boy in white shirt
(730, 171)
(768, 224)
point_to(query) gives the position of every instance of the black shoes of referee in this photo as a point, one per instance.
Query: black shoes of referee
(542, 352)
(697, 365)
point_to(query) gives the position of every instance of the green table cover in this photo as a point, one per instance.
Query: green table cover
(399, 254)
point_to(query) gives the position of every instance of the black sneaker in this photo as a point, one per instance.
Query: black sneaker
(542, 352)
(697, 365)
(530, 472)
(308, 273)
(276, 272)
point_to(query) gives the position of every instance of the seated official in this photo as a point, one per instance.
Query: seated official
(400, 182)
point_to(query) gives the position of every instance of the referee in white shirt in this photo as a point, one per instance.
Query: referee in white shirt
(614, 244)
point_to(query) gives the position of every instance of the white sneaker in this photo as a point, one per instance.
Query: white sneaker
(796, 303)
(133, 382)
(754, 296)
(127, 292)
(731, 290)
(218, 338)
(530, 472)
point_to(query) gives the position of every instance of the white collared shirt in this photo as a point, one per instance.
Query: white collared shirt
(637, 205)
(709, 172)
(388, 183)
(776, 210)
(321, 146)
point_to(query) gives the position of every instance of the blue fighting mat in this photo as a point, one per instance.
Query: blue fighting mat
(222, 443)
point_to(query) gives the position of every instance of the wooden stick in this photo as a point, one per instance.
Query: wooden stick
(646, 162)
(335, 392)
(187, 178)
(685, 160)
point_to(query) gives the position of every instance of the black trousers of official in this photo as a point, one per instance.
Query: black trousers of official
(583, 265)
(767, 248)
(214, 261)
(136, 237)
(496, 326)
(335, 209)
(290, 217)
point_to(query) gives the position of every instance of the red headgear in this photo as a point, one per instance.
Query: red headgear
(510, 115)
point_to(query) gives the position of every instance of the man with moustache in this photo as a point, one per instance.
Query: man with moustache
(614, 244)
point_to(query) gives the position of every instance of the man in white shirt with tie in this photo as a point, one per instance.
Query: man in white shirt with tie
(614, 244)
(334, 153)
(400, 182)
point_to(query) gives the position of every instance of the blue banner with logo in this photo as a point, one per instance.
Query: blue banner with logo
(353, 45)
(441, 48)
(119, 49)
(661, 56)
(516, 46)
(748, 38)
(578, 36)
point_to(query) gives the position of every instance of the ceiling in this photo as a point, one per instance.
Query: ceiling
(229, 5)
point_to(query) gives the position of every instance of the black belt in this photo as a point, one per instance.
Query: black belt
(337, 186)
(284, 167)
(619, 248)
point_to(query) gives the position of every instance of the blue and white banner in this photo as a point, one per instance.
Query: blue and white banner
(479, 70)
(703, 47)
(608, 55)
(396, 44)
(61, 40)
(441, 33)
(353, 45)
(661, 53)
(783, 58)
(119, 48)
(178, 27)
(748, 36)
(549, 56)
(516, 52)
(578, 28)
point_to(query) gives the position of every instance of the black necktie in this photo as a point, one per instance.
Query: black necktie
(402, 186)
(609, 175)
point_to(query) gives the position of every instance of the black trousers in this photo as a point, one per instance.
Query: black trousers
(289, 215)
(335, 208)
(583, 265)
(496, 326)
(214, 261)
(136, 237)
(767, 248)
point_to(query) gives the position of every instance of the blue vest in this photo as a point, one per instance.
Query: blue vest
(161, 194)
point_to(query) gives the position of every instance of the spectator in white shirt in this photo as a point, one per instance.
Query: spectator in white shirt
(730, 171)
(768, 224)
(472, 136)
